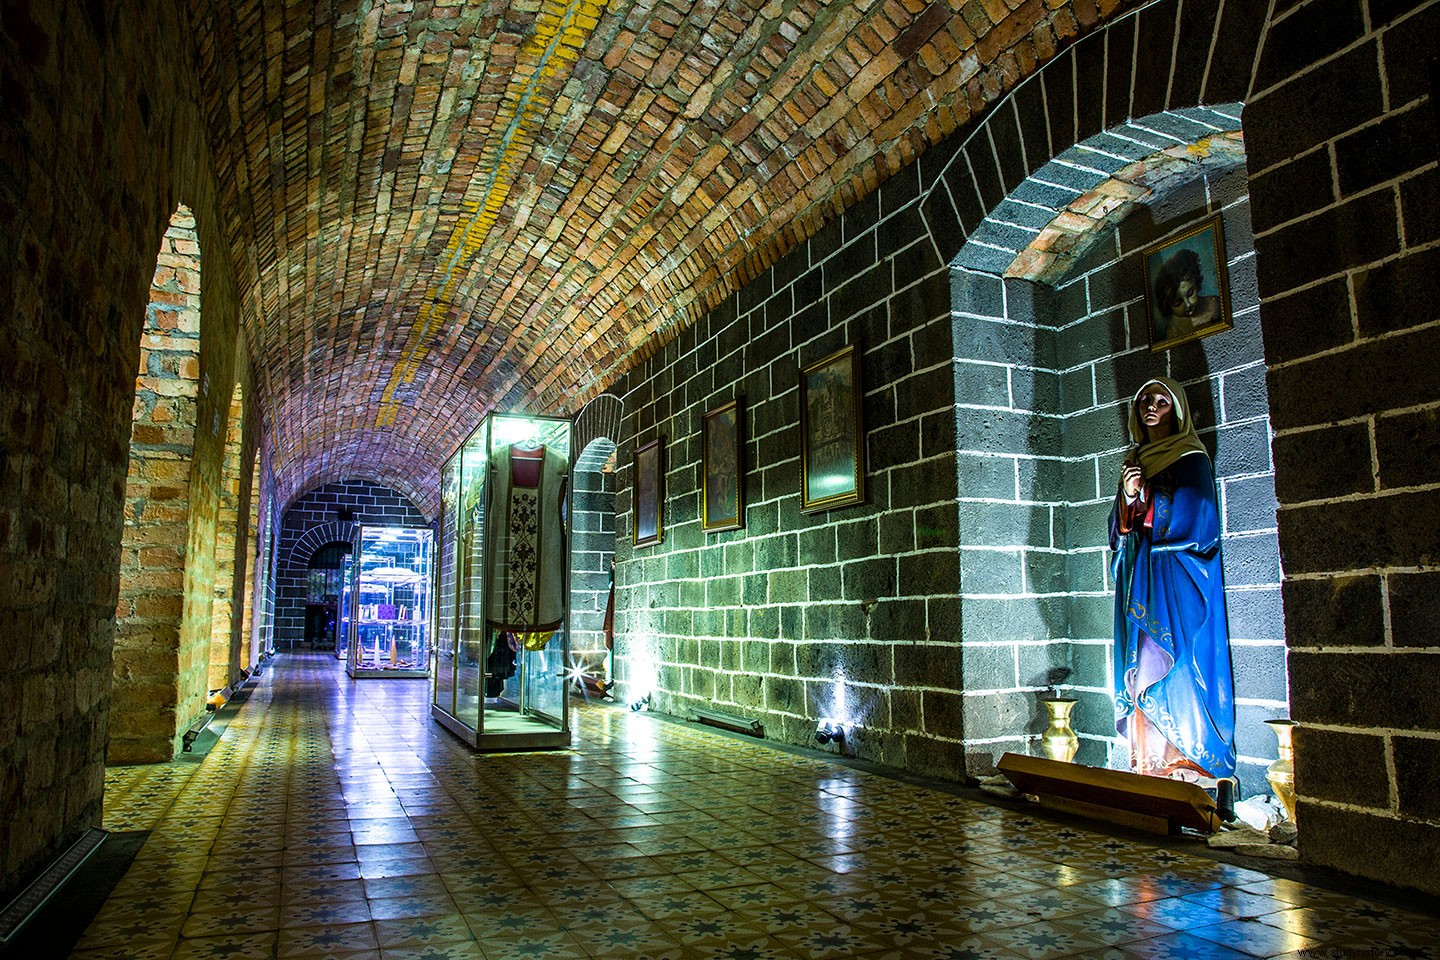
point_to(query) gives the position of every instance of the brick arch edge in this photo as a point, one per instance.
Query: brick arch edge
(1341, 346)
(597, 420)
(313, 539)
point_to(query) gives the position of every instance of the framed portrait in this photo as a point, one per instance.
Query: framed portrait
(649, 525)
(723, 495)
(832, 437)
(1187, 290)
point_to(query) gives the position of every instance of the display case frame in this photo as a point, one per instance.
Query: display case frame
(471, 695)
(389, 602)
(342, 635)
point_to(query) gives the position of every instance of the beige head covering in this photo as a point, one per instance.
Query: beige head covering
(1154, 457)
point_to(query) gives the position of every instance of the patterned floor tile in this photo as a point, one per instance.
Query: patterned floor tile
(1181, 946)
(512, 924)
(1112, 926)
(399, 908)
(294, 914)
(555, 946)
(463, 950)
(244, 918)
(227, 947)
(329, 940)
(1253, 938)
(385, 837)
(1044, 940)
(131, 951)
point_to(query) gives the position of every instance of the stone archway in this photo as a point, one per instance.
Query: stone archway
(592, 550)
(1050, 339)
(226, 659)
(1346, 351)
(146, 713)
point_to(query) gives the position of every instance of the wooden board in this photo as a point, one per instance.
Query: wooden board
(1151, 803)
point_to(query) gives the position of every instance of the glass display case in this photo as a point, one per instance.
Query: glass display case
(502, 618)
(388, 602)
(342, 635)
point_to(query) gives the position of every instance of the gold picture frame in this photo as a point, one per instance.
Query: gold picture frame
(722, 443)
(832, 434)
(1187, 288)
(648, 524)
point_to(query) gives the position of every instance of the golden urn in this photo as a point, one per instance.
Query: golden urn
(1281, 773)
(1059, 741)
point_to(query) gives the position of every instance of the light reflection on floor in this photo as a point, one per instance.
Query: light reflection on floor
(334, 819)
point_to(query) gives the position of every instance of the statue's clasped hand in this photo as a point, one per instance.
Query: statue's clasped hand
(1131, 479)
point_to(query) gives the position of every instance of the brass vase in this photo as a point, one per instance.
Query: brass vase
(1059, 741)
(1281, 773)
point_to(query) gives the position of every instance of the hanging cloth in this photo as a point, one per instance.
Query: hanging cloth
(525, 531)
(610, 612)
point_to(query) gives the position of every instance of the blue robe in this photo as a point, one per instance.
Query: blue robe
(1169, 593)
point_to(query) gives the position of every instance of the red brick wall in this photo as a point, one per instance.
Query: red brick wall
(100, 141)
(229, 544)
(157, 505)
(247, 558)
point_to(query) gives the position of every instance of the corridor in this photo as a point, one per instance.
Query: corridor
(334, 819)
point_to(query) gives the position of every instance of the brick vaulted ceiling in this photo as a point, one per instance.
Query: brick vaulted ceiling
(441, 208)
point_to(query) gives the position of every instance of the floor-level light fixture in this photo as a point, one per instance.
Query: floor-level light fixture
(828, 730)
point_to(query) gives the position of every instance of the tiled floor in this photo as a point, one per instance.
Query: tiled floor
(334, 819)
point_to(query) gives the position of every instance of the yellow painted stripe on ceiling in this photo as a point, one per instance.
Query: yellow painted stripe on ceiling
(561, 32)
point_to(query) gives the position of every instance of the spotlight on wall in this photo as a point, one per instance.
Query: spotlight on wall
(640, 703)
(828, 730)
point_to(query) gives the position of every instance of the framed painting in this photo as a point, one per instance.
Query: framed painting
(723, 503)
(1187, 291)
(649, 525)
(832, 437)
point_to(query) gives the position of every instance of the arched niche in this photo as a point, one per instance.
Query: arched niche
(592, 554)
(594, 564)
(145, 709)
(1051, 338)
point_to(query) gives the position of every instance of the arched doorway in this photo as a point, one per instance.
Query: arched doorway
(322, 597)
(146, 712)
(592, 567)
(596, 579)
(1056, 271)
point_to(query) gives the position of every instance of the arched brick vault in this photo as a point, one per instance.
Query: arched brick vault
(479, 206)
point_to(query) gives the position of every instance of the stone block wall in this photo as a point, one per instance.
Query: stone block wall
(851, 612)
(100, 141)
(313, 521)
(592, 537)
(1345, 193)
(1340, 138)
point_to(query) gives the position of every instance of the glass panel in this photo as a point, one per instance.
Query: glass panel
(468, 577)
(533, 694)
(391, 601)
(445, 624)
(347, 616)
(543, 671)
